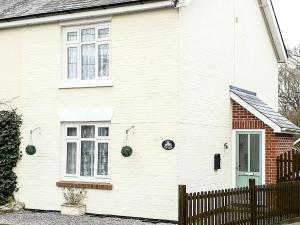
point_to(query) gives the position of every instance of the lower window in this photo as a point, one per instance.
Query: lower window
(87, 150)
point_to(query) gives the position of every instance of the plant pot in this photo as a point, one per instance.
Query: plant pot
(73, 210)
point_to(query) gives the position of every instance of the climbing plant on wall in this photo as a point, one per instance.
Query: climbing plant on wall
(10, 139)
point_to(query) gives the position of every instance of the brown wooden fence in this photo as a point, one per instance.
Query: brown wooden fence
(253, 205)
(288, 166)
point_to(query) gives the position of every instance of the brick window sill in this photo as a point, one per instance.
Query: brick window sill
(85, 185)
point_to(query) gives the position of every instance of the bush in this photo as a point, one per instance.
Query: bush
(74, 196)
(10, 140)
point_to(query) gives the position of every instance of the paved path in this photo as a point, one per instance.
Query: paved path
(55, 218)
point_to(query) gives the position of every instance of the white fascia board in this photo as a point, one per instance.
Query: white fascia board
(273, 26)
(260, 116)
(88, 14)
(183, 3)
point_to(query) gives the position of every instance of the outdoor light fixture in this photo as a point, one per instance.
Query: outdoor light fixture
(225, 146)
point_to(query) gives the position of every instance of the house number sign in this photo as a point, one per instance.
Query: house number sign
(168, 144)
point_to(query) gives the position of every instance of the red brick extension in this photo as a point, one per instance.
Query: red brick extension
(275, 143)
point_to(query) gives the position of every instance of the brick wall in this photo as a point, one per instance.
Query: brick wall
(275, 143)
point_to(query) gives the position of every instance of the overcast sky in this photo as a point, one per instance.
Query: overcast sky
(288, 15)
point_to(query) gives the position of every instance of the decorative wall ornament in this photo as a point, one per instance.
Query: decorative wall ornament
(168, 144)
(126, 150)
(31, 149)
(225, 146)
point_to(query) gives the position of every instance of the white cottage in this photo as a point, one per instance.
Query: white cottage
(82, 73)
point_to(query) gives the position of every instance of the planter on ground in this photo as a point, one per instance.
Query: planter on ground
(73, 210)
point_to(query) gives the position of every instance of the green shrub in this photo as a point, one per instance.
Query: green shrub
(10, 140)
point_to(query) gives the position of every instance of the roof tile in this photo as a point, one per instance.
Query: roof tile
(22, 8)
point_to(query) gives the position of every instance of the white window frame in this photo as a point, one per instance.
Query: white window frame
(97, 139)
(97, 81)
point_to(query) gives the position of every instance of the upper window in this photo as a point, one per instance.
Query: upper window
(87, 150)
(87, 53)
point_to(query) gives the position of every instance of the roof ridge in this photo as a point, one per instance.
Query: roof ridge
(234, 88)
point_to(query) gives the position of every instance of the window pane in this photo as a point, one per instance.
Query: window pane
(88, 62)
(72, 62)
(71, 131)
(243, 152)
(254, 152)
(102, 159)
(103, 60)
(87, 158)
(71, 158)
(87, 131)
(103, 131)
(103, 33)
(88, 34)
(72, 36)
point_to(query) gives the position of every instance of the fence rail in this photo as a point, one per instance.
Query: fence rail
(288, 166)
(253, 205)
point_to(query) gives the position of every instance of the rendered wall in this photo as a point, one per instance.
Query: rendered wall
(145, 77)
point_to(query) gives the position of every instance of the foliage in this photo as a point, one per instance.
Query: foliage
(10, 140)
(289, 87)
(74, 196)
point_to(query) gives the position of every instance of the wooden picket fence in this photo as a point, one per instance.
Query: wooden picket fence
(288, 166)
(253, 205)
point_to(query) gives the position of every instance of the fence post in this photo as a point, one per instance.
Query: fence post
(253, 201)
(277, 169)
(181, 204)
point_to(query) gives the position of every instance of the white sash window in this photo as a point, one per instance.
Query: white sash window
(87, 53)
(87, 151)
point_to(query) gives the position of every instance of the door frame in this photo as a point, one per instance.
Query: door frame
(263, 153)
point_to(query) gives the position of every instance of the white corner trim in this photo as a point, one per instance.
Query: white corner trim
(85, 114)
(88, 14)
(273, 29)
(256, 113)
(82, 84)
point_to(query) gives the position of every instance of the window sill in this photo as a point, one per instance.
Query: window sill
(69, 85)
(84, 185)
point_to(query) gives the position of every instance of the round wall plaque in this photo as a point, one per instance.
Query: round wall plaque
(168, 144)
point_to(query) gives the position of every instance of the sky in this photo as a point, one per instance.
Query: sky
(288, 15)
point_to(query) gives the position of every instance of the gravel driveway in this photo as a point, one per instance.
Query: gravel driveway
(55, 218)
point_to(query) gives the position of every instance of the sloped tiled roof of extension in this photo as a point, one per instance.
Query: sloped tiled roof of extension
(251, 99)
(18, 9)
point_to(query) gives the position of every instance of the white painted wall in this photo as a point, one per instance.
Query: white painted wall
(10, 66)
(255, 62)
(171, 71)
(221, 43)
(145, 76)
(206, 69)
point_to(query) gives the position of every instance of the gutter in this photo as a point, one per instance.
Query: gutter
(76, 15)
(290, 131)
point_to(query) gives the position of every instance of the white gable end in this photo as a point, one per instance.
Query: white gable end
(273, 29)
